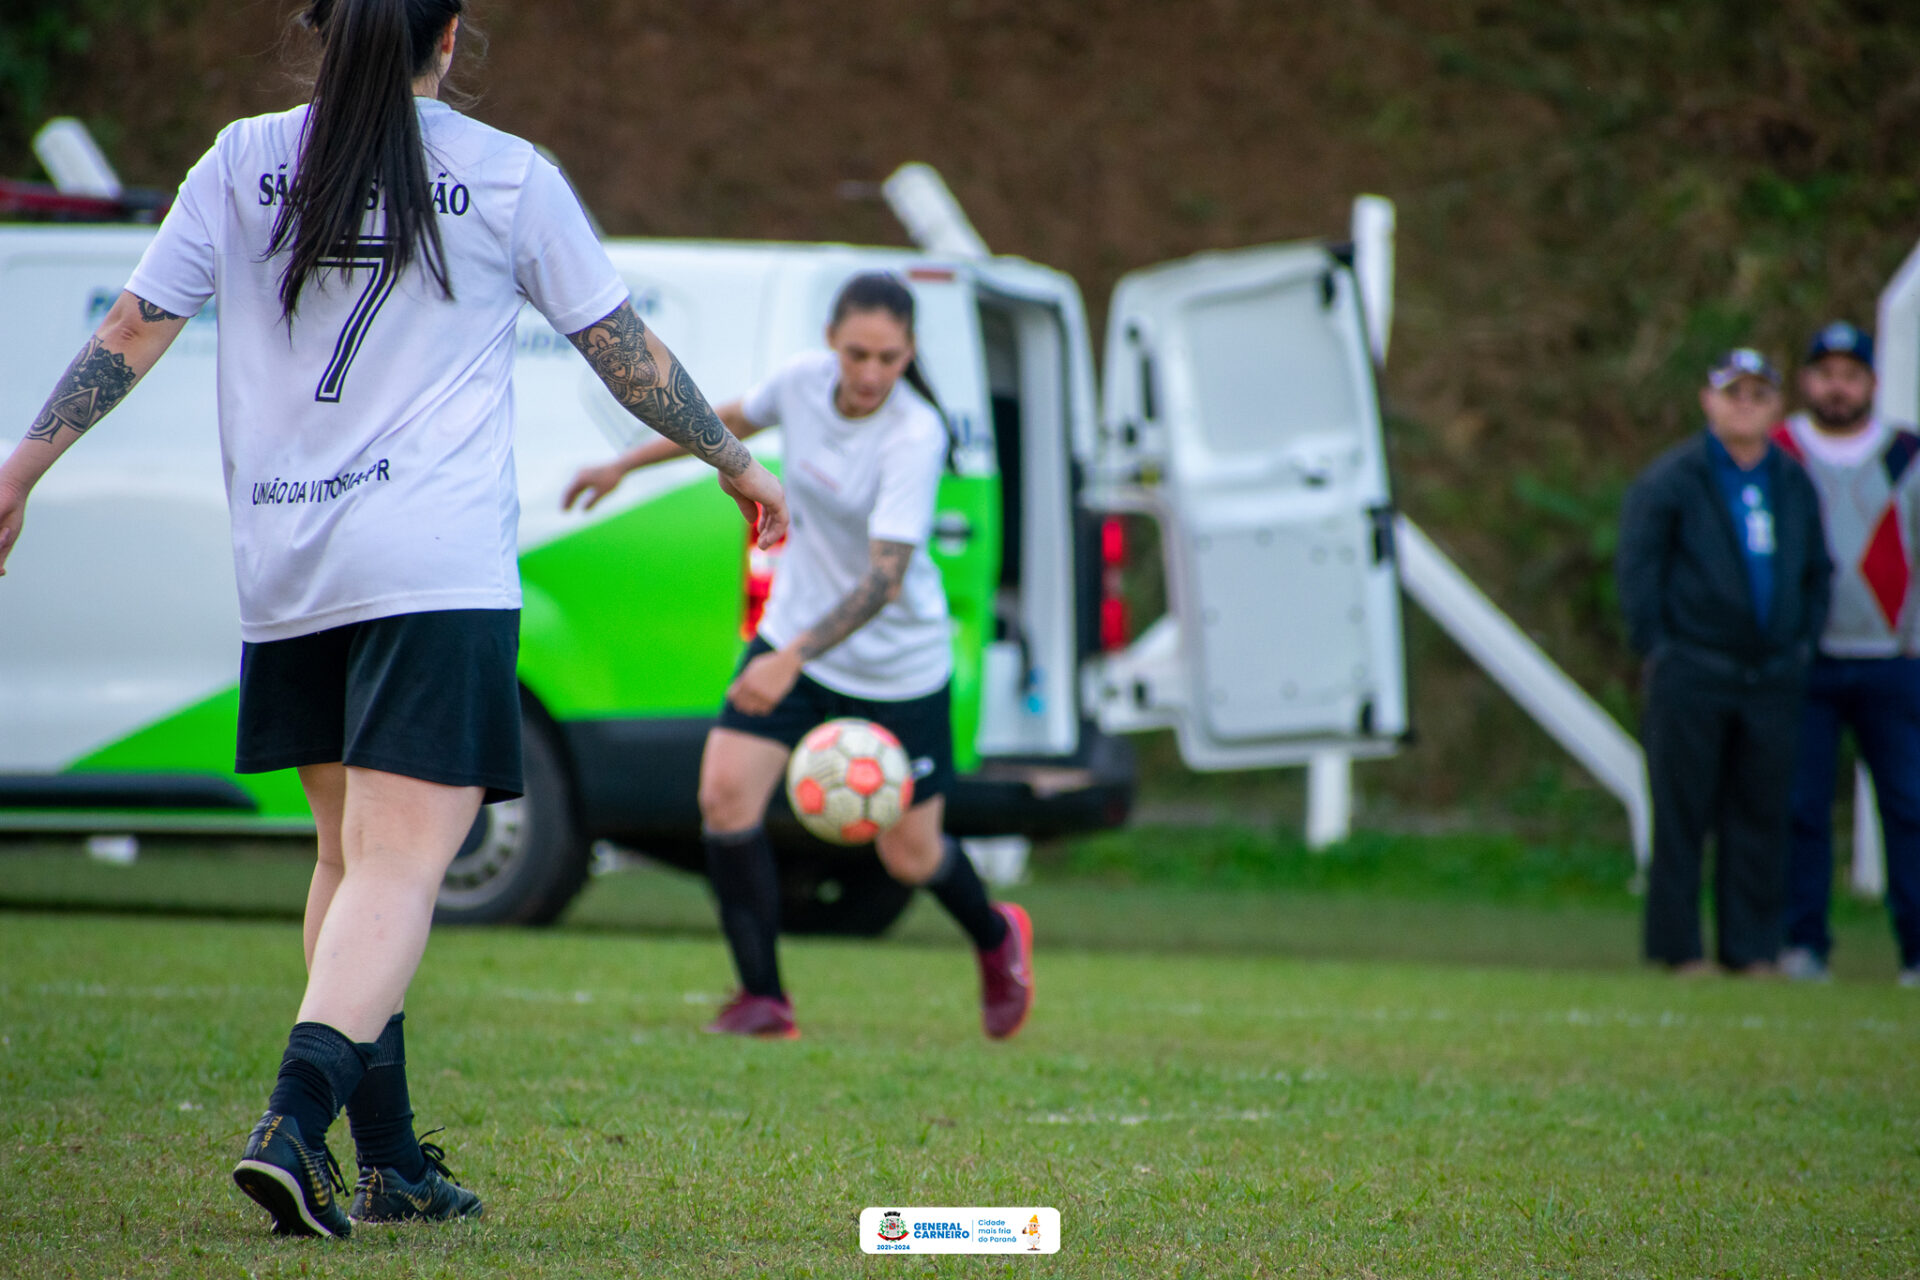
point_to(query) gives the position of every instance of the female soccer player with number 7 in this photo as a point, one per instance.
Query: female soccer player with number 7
(368, 254)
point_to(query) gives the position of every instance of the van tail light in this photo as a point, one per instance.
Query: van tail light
(759, 582)
(1113, 607)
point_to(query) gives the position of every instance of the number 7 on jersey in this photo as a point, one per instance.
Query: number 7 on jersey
(367, 254)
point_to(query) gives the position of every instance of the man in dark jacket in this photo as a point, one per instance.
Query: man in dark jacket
(1723, 577)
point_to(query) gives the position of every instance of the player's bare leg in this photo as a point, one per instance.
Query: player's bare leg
(738, 773)
(912, 849)
(396, 836)
(400, 1177)
(326, 788)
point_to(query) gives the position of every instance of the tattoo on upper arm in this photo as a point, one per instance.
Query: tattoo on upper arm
(864, 602)
(616, 347)
(152, 314)
(97, 380)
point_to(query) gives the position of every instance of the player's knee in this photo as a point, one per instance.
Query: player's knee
(725, 805)
(909, 860)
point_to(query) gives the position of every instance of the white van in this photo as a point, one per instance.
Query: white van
(1238, 410)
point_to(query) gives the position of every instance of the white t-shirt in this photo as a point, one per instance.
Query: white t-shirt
(369, 449)
(851, 481)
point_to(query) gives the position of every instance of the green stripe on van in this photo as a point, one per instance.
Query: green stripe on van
(200, 739)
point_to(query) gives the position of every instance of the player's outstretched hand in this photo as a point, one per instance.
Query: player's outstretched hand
(762, 501)
(596, 482)
(13, 510)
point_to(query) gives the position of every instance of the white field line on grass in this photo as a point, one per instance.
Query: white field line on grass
(1124, 1119)
(536, 995)
(1127, 1119)
(1665, 1020)
(102, 991)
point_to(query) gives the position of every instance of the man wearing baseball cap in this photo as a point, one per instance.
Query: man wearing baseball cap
(1723, 579)
(1866, 676)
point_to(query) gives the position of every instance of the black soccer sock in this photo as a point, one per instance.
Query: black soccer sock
(746, 880)
(320, 1068)
(964, 895)
(380, 1114)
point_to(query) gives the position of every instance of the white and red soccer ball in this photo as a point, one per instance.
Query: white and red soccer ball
(849, 780)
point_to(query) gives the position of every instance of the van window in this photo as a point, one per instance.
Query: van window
(1246, 345)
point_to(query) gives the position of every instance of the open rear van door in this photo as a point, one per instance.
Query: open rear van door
(1239, 411)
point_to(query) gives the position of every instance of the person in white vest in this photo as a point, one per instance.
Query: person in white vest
(369, 254)
(1866, 677)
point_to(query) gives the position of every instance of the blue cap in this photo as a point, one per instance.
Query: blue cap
(1841, 339)
(1741, 362)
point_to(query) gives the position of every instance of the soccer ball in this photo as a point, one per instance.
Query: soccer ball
(849, 780)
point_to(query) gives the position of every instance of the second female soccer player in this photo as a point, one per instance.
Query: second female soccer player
(856, 626)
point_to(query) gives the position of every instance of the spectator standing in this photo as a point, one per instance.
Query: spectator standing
(1723, 578)
(1866, 676)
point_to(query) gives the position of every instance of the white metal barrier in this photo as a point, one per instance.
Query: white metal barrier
(1329, 799)
(1869, 878)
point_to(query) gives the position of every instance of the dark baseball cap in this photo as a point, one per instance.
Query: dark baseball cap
(1741, 362)
(1841, 339)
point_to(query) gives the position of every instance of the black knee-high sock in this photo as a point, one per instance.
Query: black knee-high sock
(746, 880)
(961, 892)
(380, 1114)
(320, 1069)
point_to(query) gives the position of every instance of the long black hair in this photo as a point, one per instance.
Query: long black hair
(360, 147)
(884, 291)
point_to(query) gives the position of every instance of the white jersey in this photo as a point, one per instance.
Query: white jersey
(851, 481)
(369, 447)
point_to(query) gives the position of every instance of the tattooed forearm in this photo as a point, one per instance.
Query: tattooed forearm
(617, 349)
(863, 603)
(152, 314)
(97, 380)
(681, 413)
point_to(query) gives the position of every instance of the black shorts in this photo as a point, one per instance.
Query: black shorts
(923, 725)
(425, 695)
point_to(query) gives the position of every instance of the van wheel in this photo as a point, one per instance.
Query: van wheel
(839, 893)
(524, 860)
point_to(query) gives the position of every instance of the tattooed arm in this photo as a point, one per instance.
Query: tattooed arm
(644, 376)
(602, 478)
(132, 338)
(886, 570)
(769, 677)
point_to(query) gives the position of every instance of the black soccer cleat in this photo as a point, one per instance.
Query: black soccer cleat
(299, 1185)
(382, 1195)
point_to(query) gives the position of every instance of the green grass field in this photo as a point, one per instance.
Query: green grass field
(1248, 1076)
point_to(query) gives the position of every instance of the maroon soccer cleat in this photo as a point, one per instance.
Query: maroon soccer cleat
(1006, 976)
(769, 1017)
